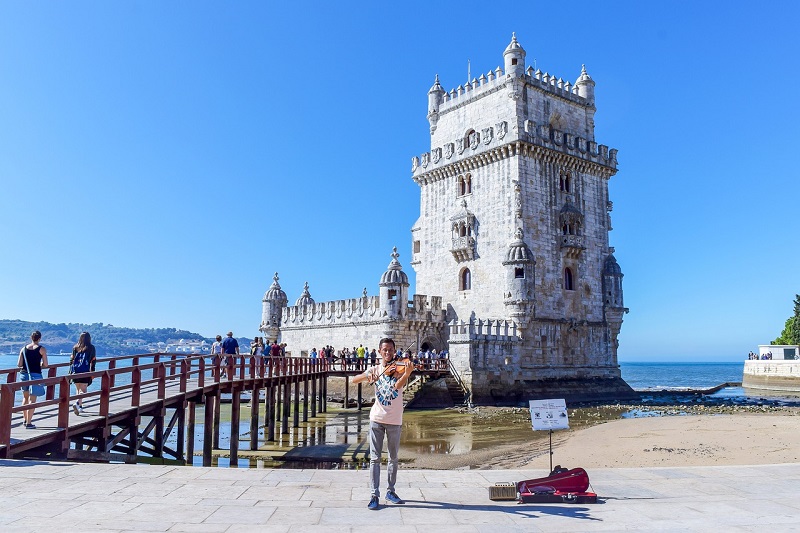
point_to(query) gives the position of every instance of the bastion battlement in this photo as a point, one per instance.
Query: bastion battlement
(364, 309)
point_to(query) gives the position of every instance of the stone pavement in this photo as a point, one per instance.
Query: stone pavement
(48, 497)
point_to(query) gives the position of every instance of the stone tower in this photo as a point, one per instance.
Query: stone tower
(513, 234)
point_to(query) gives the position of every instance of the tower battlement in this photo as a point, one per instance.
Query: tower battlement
(491, 139)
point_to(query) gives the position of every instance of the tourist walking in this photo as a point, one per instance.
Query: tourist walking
(216, 350)
(83, 359)
(32, 359)
(230, 347)
(385, 417)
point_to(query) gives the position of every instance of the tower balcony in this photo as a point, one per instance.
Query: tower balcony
(463, 248)
(572, 245)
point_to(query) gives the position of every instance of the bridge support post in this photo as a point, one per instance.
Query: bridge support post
(296, 410)
(236, 403)
(323, 401)
(359, 396)
(314, 397)
(216, 406)
(255, 403)
(305, 399)
(190, 434)
(270, 409)
(286, 405)
(346, 401)
(208, 427)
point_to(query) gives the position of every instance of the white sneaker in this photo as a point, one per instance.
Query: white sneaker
(75, 409)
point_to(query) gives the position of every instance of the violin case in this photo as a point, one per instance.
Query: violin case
(561, 486)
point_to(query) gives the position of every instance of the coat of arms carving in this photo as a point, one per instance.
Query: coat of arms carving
(426, 159)
(474, 140)
(414, 163)
(487, 135)
(460, 146)
(437, 154)
(502, 129)
(448, 150)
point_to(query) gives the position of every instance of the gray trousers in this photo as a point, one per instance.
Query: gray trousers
(376, 434)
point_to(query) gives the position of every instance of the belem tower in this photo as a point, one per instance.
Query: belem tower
(515, 275)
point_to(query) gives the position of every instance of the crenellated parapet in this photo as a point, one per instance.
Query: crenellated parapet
(366, 309)
(327, 313)
(494, 80)
(477, 329)
(537, 140)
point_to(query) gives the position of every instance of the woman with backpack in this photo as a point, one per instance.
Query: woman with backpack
(84, 358)
(32, 359)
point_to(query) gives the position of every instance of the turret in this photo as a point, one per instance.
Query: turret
(305, 297)
(435, 97)
(394, 289)
(271, 307)
(520, 265)
(585, 85)
(514, 57)
(612, 283)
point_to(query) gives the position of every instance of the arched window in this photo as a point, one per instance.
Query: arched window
(568, 282)
(466, 280)
(468, 184)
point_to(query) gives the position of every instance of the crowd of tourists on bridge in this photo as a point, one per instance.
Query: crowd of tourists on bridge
(355, 358)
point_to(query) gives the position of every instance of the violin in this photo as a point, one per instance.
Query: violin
(400, 366)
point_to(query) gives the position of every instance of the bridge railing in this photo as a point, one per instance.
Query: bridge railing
(130, 375)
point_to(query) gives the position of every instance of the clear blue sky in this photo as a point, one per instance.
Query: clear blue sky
(160, 160)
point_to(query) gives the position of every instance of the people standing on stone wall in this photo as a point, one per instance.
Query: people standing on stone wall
(32, 359)
(386, 418)
(373, 356)
(84, 359)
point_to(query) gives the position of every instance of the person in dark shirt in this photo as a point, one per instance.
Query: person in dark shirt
(86, 349)
(32, 359)
(230, 346)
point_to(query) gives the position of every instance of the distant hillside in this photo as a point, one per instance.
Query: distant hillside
(109, 340)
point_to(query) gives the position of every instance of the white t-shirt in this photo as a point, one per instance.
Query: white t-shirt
(388, 406)
(216, 348)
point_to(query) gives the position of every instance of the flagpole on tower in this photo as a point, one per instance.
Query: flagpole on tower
(468, 71)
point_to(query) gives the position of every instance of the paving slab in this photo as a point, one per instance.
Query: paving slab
(48, 496)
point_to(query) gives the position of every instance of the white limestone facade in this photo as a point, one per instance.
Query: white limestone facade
(513, 229)
(512, 238)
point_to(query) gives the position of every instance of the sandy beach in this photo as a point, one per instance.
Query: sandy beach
(737, 437)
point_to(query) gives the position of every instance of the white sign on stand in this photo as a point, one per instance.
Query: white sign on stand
(549, 414)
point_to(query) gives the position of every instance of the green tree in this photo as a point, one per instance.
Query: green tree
(791, 330)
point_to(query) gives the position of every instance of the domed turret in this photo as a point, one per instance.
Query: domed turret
(518, 252)
(612, 283)
(305, 298)
(514, 57)
(275, 293)
(394, 288)
(271, 308)
(585, 85)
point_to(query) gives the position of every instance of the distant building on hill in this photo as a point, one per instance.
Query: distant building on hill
(511, 248)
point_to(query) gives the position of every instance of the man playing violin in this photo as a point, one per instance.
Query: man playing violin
(386, 417)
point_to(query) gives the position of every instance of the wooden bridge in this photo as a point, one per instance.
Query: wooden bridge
(146, 402)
